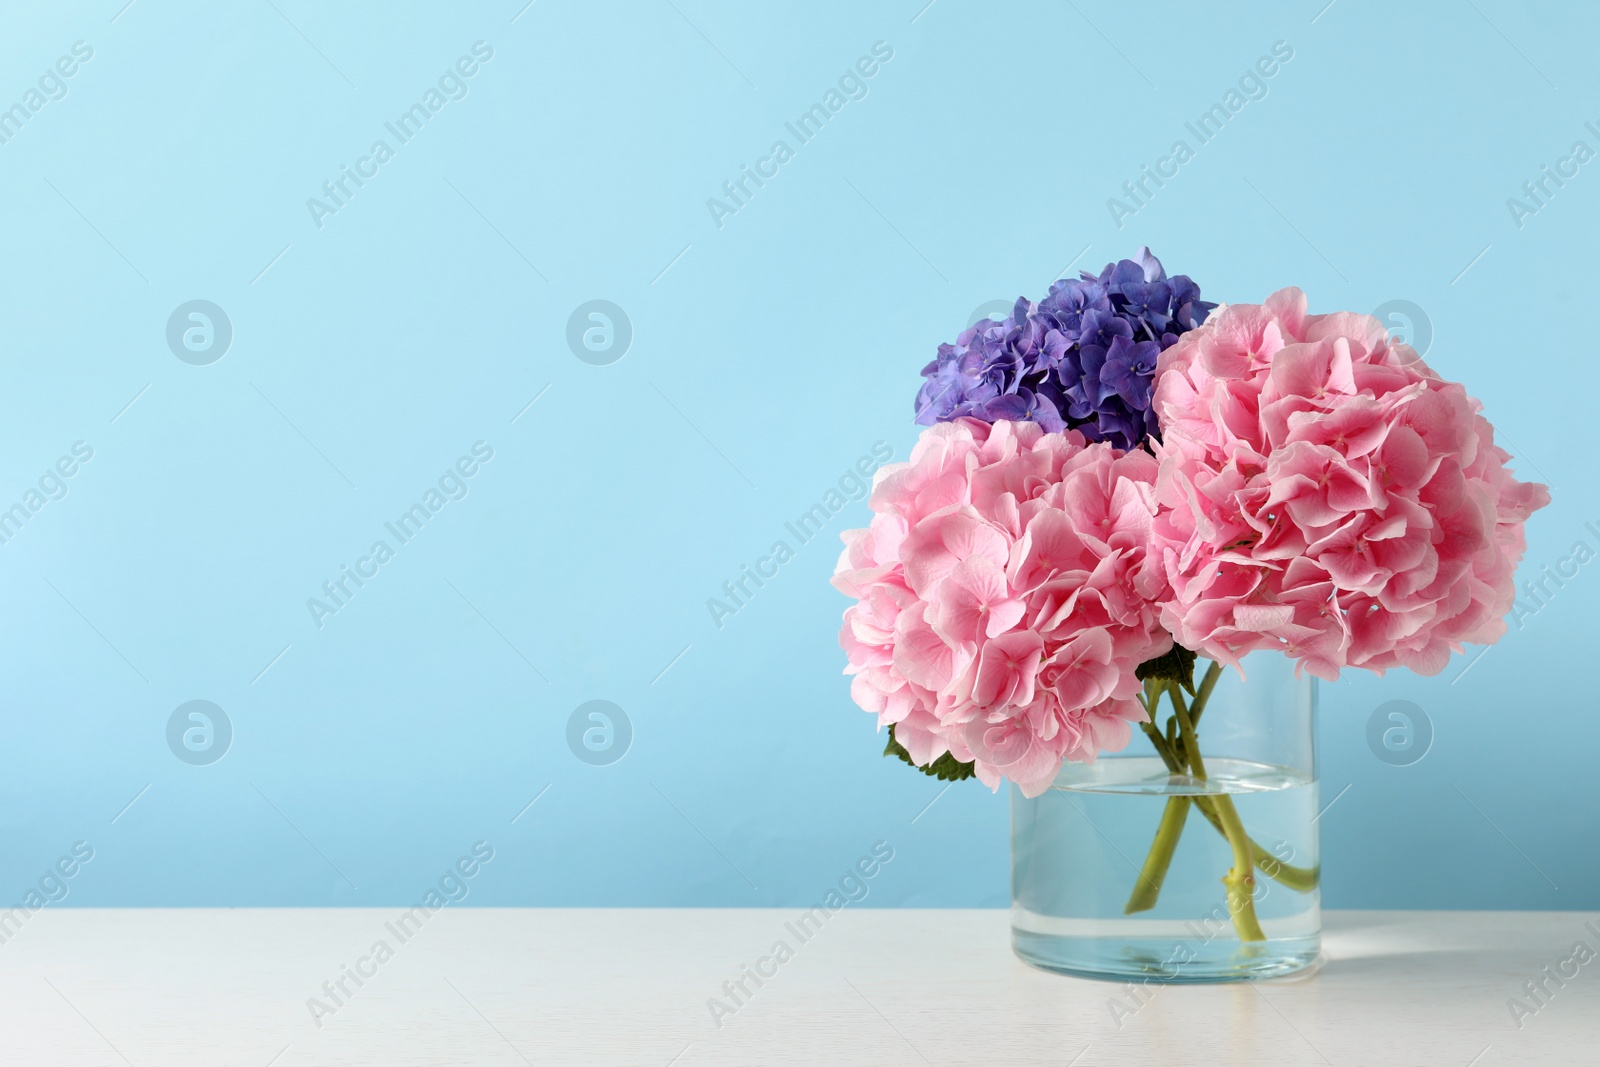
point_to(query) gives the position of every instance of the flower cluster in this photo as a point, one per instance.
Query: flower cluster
(1083, 357)
(1105, 474)
(1325, 493)
(1004, 597)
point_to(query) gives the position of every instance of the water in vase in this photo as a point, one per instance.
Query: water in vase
(1080, 862)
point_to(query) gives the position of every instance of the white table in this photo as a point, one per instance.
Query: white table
(509, 986)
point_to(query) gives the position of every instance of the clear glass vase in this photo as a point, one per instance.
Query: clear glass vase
(1190, 856)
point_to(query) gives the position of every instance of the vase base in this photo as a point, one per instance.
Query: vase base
(1166, 960)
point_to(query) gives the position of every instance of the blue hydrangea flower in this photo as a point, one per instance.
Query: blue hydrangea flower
(1082, 358)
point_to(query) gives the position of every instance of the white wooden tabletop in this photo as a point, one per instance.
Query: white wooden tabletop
(510, 986)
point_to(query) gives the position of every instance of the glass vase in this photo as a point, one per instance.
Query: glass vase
(1191, 855)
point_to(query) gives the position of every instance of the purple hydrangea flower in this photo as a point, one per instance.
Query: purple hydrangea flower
(1082, 358)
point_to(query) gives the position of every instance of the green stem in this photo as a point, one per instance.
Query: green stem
(1164, 747)
(1241, 880)
(1300, 879)
(1159, 858)
(1202, 695)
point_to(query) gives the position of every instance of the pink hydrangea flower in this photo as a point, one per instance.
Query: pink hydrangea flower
(1322, 491)
(1005, 594)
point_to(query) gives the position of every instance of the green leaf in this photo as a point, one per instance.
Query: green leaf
(1175, 666)
(945, 768)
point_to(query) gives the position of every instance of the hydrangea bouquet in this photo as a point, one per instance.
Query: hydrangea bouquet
(1121, 477)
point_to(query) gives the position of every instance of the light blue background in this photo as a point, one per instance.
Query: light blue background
(768, 355)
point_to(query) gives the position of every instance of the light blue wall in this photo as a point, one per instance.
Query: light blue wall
(768, 355)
